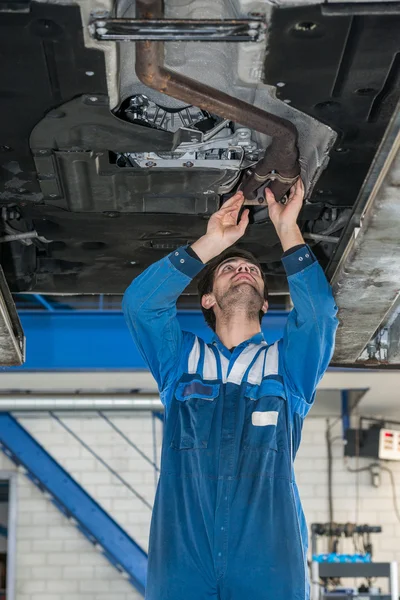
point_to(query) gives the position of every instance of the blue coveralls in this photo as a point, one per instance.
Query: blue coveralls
(227, 521)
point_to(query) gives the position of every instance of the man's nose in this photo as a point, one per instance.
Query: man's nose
(243, 268)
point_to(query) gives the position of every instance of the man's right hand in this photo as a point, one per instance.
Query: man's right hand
(223, 229)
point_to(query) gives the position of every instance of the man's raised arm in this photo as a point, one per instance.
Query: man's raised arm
(309, 337)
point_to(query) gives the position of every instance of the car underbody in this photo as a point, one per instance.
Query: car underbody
(114, 153)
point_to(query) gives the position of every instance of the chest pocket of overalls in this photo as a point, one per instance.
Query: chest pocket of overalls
(196, 407)
(264, 416)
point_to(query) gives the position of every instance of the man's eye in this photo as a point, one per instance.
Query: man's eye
(254, 269)
(228, 267)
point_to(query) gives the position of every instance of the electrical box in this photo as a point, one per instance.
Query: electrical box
(375, 442)
(362, 442)
(389, 444)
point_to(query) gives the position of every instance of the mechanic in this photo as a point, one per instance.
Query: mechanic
(227, 521)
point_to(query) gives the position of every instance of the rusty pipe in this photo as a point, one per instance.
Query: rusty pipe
(150, 69)
(286, 164)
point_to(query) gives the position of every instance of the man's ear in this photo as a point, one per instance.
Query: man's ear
(264, 307)
(208, 301)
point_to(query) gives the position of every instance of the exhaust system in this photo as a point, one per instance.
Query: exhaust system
(279, 168)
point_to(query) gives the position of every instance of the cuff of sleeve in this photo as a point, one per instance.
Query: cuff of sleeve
(291, 250)
(192, 253)
(185, 263)
(298, 261)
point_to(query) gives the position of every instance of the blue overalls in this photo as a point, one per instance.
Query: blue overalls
(227, 521)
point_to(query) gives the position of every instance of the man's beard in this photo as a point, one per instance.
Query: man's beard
(243, 297)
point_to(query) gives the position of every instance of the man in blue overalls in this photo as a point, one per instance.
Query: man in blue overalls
(227, 521)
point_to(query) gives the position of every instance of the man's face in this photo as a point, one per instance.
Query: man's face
(237, 283)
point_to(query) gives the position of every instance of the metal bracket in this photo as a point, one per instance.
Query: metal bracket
(265, 180)
(189, 30)
(12, 339)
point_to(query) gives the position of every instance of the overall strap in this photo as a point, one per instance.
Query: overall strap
(193, 358)
(271, 366)
(256, 356)
(217, 360)
(204, 361)
(200, 364)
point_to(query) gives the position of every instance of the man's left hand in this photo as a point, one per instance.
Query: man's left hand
(284, 216)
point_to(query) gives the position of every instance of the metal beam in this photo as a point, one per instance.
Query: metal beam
(394, 340)
(328, 402)
(178, 30)
(12, 341)
(45, 402)
(366, 281)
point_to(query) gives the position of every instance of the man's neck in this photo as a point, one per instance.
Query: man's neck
(236, 330)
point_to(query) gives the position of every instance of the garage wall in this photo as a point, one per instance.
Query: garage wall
(55, 562)
(354, 498)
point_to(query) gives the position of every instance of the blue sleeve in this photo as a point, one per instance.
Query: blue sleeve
(309, 336)
(149, 306)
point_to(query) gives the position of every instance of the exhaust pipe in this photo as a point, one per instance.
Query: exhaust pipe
(281, 159)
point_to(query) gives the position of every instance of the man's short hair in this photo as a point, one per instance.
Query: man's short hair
(206, 279)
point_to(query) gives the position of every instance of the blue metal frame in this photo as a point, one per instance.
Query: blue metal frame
(77, 340)
(43, 302)
(72, 500)
(71, 303)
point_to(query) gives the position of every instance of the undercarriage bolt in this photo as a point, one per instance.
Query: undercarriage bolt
(138, 101)
(188, 164)
(100, 14)
(151, 163)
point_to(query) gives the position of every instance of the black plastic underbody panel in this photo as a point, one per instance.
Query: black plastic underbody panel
(341, 68)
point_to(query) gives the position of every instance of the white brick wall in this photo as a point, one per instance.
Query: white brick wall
(55, 562)
(355, 500)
